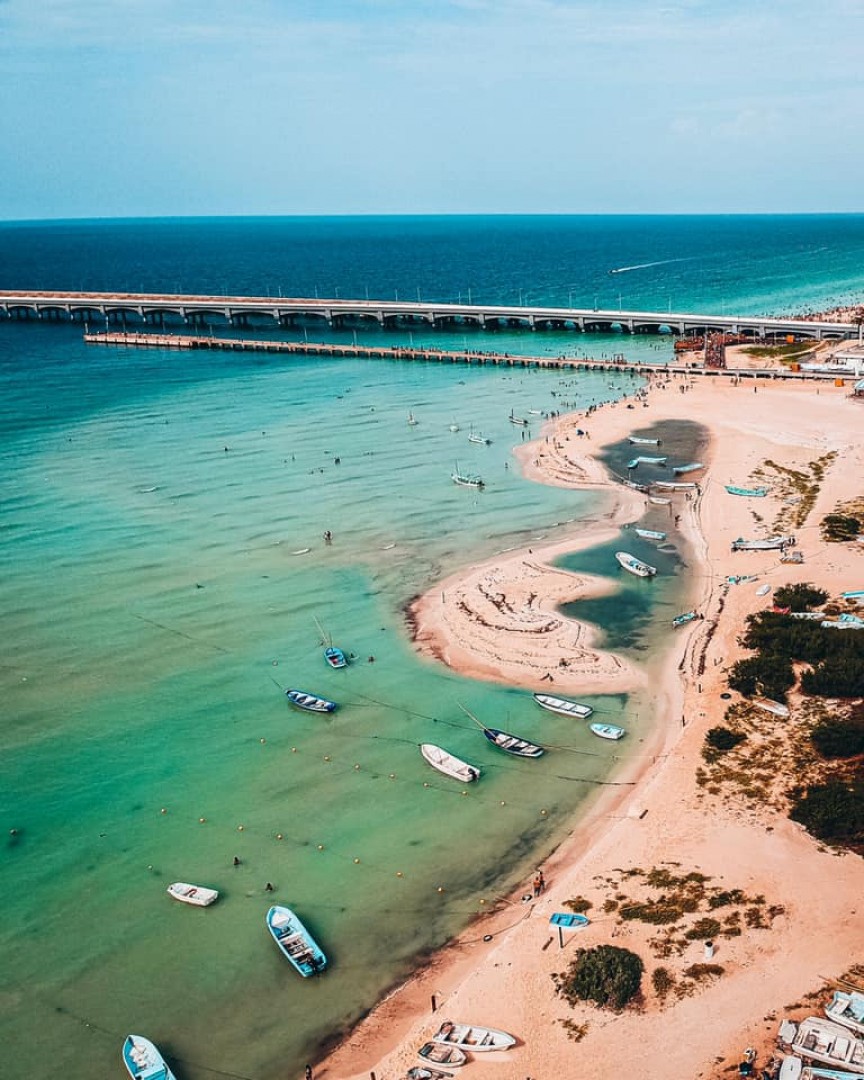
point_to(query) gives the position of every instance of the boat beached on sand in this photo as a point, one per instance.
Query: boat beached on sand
(793, 1068)
(143, 1061)
(512, 744)
(295, 942)
(847, 1009)
(825, 1042)
(755, 493)
(563, 706)
(684, 618)
(636, 440)
(470, 1037)
(310, 702)
(679, 470)
(440, 1054)
(448, 763)
(634, 565)
(769, 705)
(424, 1072)
(196, 895)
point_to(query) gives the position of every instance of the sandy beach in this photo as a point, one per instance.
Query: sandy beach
(798, 916)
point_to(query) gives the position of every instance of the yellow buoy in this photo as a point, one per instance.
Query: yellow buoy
(202, 820)
(440, 888)
(356, 860)
(263, 741)
(392, 775)
(320, 847)
(399, 873)
(278, 835)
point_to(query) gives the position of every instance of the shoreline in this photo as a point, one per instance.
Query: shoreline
(664, 815)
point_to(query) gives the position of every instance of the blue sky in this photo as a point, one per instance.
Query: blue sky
(162, 107)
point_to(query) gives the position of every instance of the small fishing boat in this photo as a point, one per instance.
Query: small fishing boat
(420, 1072)
(680, 470)
(635, 462)
(755, 493)
(854, 594)
(773, 543)
(310, 702)
(608, 731)
(479, 439)
(650, 534)
(519, 421)
(512, 744)
(143, 1061)
(636, 440)
(675, 485)
(569, 920)
(769, 705)
(763, 590)
(412, 419)
(335, 657)
(847, 1009)
(295, 942)
(563, 706)
(471, 480)
(684, 618)
(658, 501)
(793, 1068)
(821, 1040)
(634, 565)
(440, 1054)
(196, 895)
(644, 488)
(454, 427)
(449, 764)
(471, 1037)
(301, 551)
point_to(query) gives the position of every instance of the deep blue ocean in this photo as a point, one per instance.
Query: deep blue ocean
(163, 577)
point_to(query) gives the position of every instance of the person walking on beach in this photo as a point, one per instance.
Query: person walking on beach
(538, 883)
(307, 1075)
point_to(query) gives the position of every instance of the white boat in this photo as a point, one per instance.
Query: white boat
(650, 534)
(143, 1061)
(636, 440)
(422, 1072)
(563, 706)
(675, 485)
(769, 705)
(196, 895)
(847, 1009)
(773, 543)
(449, 764)
(679, 470)
(658, 501)
(634, 565)
(635, 462)
(519, 421)
(826, 1042)
(441, 1054)
(471, 480)
(763, 590)
(412, 420)
(454, 427)
(608, 731)
(793, 1068)
(473, 1038)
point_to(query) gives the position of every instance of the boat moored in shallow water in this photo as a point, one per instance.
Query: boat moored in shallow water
(512, 744)
(608, 731)
(196, 895)
(310, 702)
(634, 565)
(143, 1061)
(295, 942)
(562, 706)
(448, 763)
(650, 534)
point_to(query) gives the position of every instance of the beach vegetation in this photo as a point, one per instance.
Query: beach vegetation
(832, 811)
(575, 1032)
(578, 904)
(608, 975)
(663, 982)
(704, 929)
(838, 528)
(839, 738)
(719, 741)
(799, 487)
(701, 972)
(800, 597)
(725, 898)
(768, 674)
(837, 676)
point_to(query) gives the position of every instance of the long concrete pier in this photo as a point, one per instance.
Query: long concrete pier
(155, 309)
(444, 356)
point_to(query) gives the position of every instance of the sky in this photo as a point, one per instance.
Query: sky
(130, 108)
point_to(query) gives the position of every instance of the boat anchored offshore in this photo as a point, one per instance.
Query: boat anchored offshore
(512, 744)
(636, 440)
(608, 731)
(196, 895)
(562, 706)
(310, 702)
(679, 470)
(449, 764)
(471, 480)
(479, 438)
(335, 657)
(470, 1037)
(143, 1061)
(295, 942)
(519, 421)
(634, 565)
(650, 534)
(635, 462)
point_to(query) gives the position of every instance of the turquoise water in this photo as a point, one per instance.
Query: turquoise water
(153, 610)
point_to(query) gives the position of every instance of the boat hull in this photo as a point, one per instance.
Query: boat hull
(196, 895)
(512, 744)
(295, 942)
(142, 1059)
(449, 764)
(335, 657)
(309, 702)
(562, 706)
(608, 731)
(471, 1038)
(635, 566)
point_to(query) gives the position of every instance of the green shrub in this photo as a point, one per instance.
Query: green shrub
(767, 674)
(839, 738)
(663, 981)
(719, 741)
(840, 527)
(704, 930)
(578, 904)
(836, 676)
(606, 975)
(801, 597)
(833, 811)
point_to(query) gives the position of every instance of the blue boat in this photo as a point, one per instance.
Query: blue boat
(310, 702)
(295, 942)
(684, 618)
(569, 920)
(143, 1061)
(756, 493)
(335, 657)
